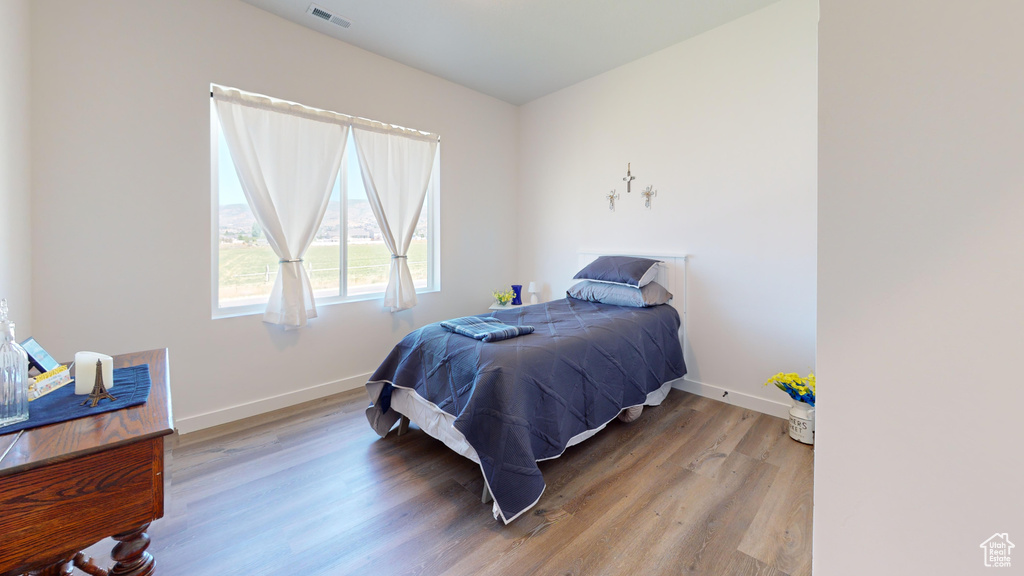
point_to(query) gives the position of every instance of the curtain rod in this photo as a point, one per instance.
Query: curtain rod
(353, 121)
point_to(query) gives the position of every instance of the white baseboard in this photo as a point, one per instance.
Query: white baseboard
(256, 407)
(770, 407)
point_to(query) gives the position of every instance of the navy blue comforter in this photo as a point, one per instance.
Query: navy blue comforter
(521, 400)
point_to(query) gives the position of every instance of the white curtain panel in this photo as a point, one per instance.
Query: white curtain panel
(287, 164)
(396, 173)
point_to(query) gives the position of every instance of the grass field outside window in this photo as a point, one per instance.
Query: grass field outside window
(247, 273)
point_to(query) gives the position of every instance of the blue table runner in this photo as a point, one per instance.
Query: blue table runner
(131, 388)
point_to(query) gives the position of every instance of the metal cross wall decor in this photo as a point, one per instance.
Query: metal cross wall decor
(647, 194)
(612, 197)
(628, 179)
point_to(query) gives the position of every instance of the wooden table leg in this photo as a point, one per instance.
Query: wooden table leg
(130, 556)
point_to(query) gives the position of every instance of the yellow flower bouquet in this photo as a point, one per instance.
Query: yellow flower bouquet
(799, 389)
(503, 298)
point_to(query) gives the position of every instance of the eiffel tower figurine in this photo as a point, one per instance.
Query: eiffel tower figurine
(99, 391)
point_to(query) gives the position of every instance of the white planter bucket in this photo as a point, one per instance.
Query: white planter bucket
(801, 422)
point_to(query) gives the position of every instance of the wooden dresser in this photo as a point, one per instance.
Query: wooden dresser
(67, 486)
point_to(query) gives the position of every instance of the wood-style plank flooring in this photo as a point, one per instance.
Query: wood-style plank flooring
(692, 487)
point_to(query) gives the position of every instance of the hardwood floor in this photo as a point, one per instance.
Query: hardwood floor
(693, 487)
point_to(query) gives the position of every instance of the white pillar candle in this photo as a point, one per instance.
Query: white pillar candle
(85, 371)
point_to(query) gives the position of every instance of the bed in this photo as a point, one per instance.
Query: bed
(508, 405)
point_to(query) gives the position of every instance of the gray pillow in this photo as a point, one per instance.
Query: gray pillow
(653, 294)
(620, 270)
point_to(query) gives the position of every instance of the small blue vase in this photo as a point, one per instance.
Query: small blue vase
(517, 289)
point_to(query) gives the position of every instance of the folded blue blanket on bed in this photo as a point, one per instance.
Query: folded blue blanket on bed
(484, 328)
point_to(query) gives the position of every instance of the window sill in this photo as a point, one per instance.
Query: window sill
(253, 309)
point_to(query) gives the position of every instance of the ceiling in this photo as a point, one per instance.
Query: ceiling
(515, 50)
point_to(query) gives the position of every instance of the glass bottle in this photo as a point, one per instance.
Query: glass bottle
(13, 374)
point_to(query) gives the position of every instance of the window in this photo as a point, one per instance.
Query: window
(347, 261)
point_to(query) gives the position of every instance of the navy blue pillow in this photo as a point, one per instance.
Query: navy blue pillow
(620, 270)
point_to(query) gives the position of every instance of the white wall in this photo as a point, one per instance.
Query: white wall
(724, 126)
(15, 197)
(920, 286)
(121, 178)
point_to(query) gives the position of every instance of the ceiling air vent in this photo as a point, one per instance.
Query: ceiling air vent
(324, 14)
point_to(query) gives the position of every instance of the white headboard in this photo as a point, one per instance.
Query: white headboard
(671, 275)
